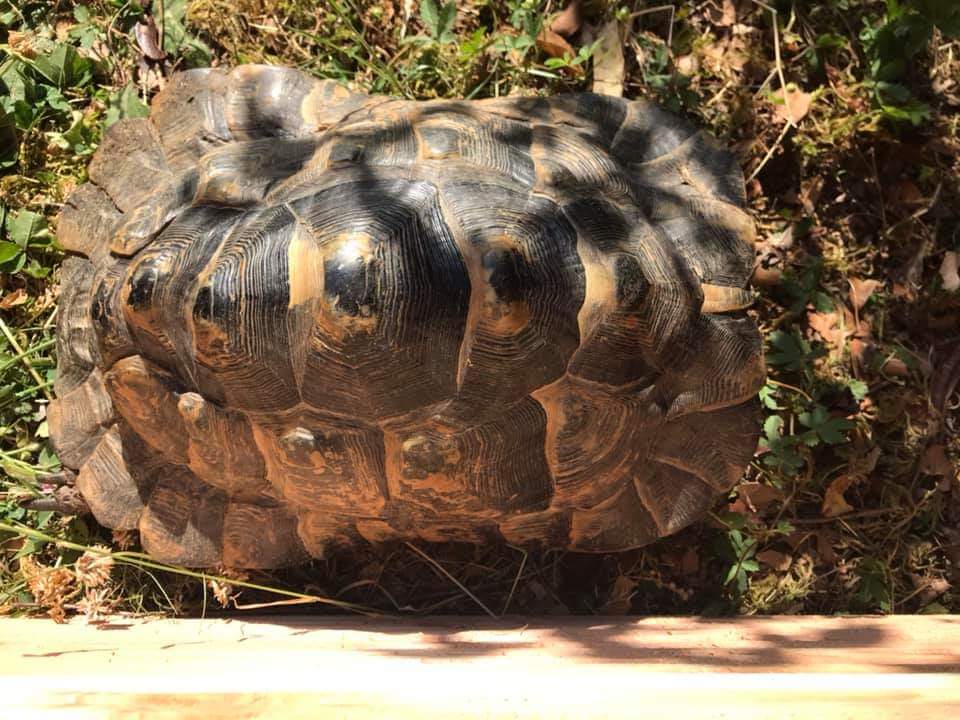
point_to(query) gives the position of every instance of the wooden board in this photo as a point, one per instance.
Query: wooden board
(783, 667)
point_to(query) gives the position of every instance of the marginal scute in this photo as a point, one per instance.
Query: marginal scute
(87, 222)
(77, 351)
(594, 438)
(183, 522)
(493, 467)
(671, 496)
(189, 116)
(114, 484)
(298, 317)
(324, 464)
(623, 521)
(130, 163)
(714, 446)
(255, 536)
(78, 418)
(321, 533)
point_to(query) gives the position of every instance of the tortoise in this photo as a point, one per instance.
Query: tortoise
(294, 317)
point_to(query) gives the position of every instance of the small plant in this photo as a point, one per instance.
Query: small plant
(892, 46)
(736, 548)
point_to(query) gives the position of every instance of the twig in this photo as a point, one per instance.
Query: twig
(783, 89)
(771, 151)
(437, 566)
(779, 62)
(141, 561)
(659, 8)
(160, 24)
(916, 214)
(789, 387)
(843, 518)
(516, 580)
(777, 70)
(24, 357)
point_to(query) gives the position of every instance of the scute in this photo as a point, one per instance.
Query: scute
(298, 317)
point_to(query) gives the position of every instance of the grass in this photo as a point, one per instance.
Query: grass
(852, 503)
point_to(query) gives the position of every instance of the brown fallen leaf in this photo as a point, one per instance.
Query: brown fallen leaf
(148, 39)
(554, 45)
(687, 65)
(929, 588)
(861, 290)
(858, 468)
(729, 14)
(810, 194)
(759, 496)
(22, 43)
(620, 595)
(834, 503)
(948, 271)
(568, 21)
(775, 559)
(825, 540)
(895, 367)
(827, 326)
(859, 352)
(608, 63)
(17, 297)
(795, 106)
(935, 462)
(905, 192)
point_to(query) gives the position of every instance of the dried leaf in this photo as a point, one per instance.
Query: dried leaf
(859, 350)
(759, 496)
(148, 39)
(906, 192)
(93, 567)
(620, 595)
(936, 462)
(775, 559)
(608, 63)
(22, 43)
(726, 57)
(827, 326)
(688, 65)
(895, 367)
(861, 290)
(729, 16)
(17, 297)
(825, 548)
(810, 194)
(568, 21)
(833, 501)
(796, 105)
(948, 271)
(554, 45)
(858, 468)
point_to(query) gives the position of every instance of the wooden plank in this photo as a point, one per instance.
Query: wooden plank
(784, 667)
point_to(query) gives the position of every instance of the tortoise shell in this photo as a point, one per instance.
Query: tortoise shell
(296, 316)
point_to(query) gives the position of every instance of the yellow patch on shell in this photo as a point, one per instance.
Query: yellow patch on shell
(305, 267)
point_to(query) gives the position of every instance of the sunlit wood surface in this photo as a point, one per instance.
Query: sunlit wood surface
(784, 667)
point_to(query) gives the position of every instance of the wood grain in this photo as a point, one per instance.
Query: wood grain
(776, 667)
